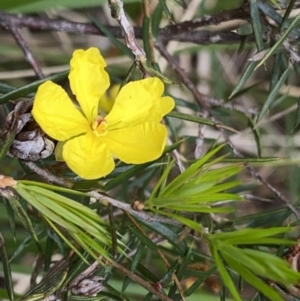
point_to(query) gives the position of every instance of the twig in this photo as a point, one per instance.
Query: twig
(255, 174)
(199, 97)
(146, 217)
(28, 54)
(223, 16)
(38, 267)
(118, 13)
(199, 141)
(46, 174)
(229, 106)
(176, 156)
(140, 281)
(171, 32)
(205, 37)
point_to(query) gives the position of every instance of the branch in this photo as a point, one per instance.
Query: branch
(28, 54)
(146, 217)
(175, 32)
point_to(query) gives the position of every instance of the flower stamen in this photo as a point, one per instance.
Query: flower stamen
(99, 126)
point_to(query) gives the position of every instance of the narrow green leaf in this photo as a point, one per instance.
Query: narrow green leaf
(200, 281)
(146, 37)
(189, 172)
(11, 217)
(272, 95)
(198, 119)
(250, 160)
(161, 180)
(156, 18)
(6, 269)
(270, 12)
(144, 239)
(171, 271)
(166, 9)
(224, 274)
(275, 71)
(136, 259)
(257, 235)
(245, 76)
(202, 209)
(297, 120)
(253, 280)
(186, 221)
(200, 199)
(166, 232)
(32, 87)
(256, 24)
(256, 135)
(9, 139)
(26, 221)
(287, 12)
(279, 41)
(52, 187)
(6, 88)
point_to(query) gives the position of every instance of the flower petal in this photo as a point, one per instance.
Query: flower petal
(88, 80)
(54, 111)
(138, 144)
(88, 156)
(139, 102)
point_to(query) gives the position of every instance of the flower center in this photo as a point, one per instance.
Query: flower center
(99, 126)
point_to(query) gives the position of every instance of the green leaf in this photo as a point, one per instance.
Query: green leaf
(50, 187)
(297, 120)
(279, 42)
(144, 239)
(186, 221)
(245, 76)
(156, 18)
(253, 280)
(189, 172)
(22, 214)
(200, 281)
(74, 217)
(166, 232)
(136, 259)
(224, 274)
(276, 71)
(256, 24)
(32, 87)
(287, 12)
(30, 6)
(166, 9)
(256, 236)
(273, 94)
(146, 37)
(256, 135)
(198, 119)
(6, 269)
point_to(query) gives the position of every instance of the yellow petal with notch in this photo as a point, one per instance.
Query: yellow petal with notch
(54, 111)
(138, 102)
(88, 156)
(138, 144)
(88, 80)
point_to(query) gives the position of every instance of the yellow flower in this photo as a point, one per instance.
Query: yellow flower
(131, 131)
